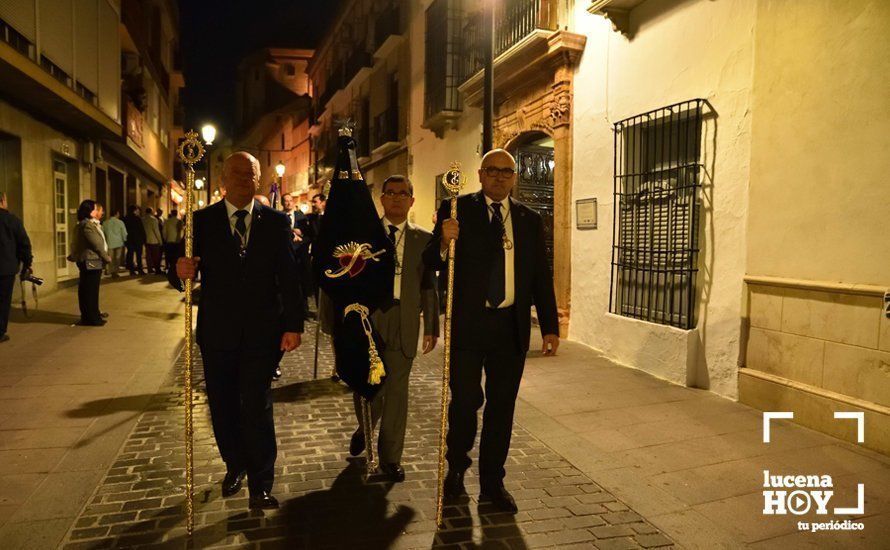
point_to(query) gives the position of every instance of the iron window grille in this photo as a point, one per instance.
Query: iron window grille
(657, 205)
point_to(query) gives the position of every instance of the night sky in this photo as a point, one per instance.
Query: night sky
(216, 34)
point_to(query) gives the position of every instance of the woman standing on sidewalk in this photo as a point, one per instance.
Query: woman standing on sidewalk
(91, 254)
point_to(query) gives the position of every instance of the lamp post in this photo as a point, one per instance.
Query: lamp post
(279, 169)
(208, 133)
(488, 32)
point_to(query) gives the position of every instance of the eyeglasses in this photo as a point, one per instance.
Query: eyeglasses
(393, 194)
(494, 172)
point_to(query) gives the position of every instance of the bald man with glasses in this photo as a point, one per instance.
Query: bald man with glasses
(501, 270)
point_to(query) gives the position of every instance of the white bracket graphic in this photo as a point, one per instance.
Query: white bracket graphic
(859, 417)
(860, 501)
(769, 416)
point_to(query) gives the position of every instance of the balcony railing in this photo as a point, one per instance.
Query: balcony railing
(386, 127)
(514, 20)
(387, 24)
(359, 60)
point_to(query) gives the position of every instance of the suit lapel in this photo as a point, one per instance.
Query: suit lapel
(521, 240)
(412, 251)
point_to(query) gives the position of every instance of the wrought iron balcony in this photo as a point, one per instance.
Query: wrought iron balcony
(387, 25)
(527, 36)
(516, 19)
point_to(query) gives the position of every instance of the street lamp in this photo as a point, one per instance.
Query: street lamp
(279, 169)
(208, 132)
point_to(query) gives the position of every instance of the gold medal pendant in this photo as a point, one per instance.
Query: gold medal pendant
(508, 244)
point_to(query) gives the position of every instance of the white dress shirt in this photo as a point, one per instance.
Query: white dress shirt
(400, 253)
(509, 255)
(231, 209)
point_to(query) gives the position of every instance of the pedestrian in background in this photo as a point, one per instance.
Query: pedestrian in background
(173, 239)
(15, 249)
(90, 253)
(153, 241)
(116, 236)
(135, 240)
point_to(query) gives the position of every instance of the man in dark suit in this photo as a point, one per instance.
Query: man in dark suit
(15, 250)
(302, 238)
(249, 312)
(501, 270)
(414, 292)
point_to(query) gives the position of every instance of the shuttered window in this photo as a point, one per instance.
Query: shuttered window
(86, 33)
(109, 60)
(57, 33)
(20, 15)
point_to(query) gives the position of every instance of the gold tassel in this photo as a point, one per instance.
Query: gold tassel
(376, 371)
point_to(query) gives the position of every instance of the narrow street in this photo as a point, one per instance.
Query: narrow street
(603, 456)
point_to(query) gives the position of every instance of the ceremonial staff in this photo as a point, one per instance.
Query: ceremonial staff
(452, 181)
(190, 152)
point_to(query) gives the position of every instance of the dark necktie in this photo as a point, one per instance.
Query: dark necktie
(241, 227)
(497, 277)
(393, 230)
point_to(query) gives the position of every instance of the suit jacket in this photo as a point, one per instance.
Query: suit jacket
(89, 243)
(135, 230)
(533, 282)
(15, 246)
(302, 223)
(245, 303)
(418, 292)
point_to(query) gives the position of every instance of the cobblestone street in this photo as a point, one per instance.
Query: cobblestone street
(325, 503)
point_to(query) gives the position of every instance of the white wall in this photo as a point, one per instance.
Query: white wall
(678, 50)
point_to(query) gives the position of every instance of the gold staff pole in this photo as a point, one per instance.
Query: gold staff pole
(453, 181)
(190, 151)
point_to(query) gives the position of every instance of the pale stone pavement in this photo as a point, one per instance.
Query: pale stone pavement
(603, 456)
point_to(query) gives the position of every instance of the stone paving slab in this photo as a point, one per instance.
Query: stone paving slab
(326, 503)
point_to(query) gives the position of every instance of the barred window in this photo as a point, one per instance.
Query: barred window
(656, 209)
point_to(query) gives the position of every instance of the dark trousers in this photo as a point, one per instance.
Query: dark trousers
(134, 257)
(88, 295)
(503, 364)
(7, 284)
(172, 252)
(240, 398)
(153, 253)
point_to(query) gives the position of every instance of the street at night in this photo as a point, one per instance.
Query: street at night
(453, 274)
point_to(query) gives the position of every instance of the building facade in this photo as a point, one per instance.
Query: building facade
(274, 116)
(712, 199)
(87, 101)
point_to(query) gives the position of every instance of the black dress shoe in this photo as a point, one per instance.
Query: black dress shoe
(231, 484)
(454, 485)
(357, 443)
(394, 472)
(4, 338)
(104, 315)
(277, 374)
(499, 496)
(262, 501)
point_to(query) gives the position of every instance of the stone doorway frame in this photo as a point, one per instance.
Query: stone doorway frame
(546, 107)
